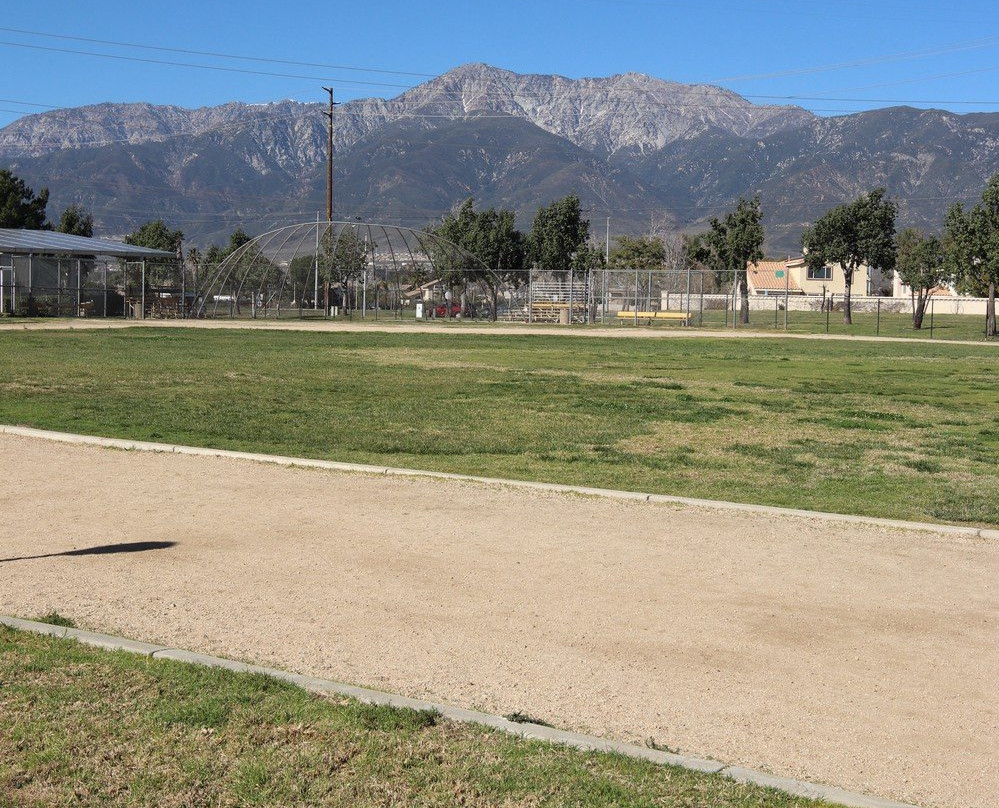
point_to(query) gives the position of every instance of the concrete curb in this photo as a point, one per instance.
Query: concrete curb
(461, 715)
(357, 468)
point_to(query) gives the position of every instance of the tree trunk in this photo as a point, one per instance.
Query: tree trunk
(919, 309)
(744, 295)
(495, 302)
(847, 290)
(990, 311)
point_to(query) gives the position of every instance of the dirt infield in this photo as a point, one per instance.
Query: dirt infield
(860, 656)
(437, 327)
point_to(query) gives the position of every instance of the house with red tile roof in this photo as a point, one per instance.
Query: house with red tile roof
(795, 277)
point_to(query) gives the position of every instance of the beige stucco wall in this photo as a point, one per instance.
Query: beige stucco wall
(835, 282)
(942, 304)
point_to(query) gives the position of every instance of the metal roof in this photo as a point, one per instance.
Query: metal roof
(48, 242)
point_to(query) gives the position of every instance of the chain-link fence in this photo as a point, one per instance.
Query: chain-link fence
(53, 286)
(398, 281)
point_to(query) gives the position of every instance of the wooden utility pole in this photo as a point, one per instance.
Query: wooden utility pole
(329, 195)
(329, 159)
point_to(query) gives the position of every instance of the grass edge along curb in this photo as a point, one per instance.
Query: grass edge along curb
(537, 732)
(608, 493)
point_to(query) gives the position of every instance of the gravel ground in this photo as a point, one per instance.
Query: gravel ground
(859, 656)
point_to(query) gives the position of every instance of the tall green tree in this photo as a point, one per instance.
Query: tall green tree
(643, 252)
(302, 270)
(731, 245)
(459, 228)
(502, 248)
(921, 264)
(76, 222)
(157, 236)
(237, 239)
(857, 233)
(972, 240)
(342, 260)
(196, 260)
(558, 235)
(214, 255)
(490, 236)
(20, 208)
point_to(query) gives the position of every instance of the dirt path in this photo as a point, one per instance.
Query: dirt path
(499, 329)
(863, 657)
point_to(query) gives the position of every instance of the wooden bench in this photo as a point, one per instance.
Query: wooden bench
(543, 305)
(676, 316)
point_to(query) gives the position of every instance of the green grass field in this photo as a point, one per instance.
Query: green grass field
(904, 430)
(865, 324)
(84, 727)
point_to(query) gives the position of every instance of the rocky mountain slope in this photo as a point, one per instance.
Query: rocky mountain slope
(632, 146)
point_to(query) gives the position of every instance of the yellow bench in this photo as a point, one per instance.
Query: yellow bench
(678, 316)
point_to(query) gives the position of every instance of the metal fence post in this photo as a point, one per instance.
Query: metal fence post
(572, 280)
(687, 321)
(530, 295)
(603, 311)
(931, 315)
(877, 330)
(700, 312)
(636, 297)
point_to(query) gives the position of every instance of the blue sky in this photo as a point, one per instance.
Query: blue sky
(838, 57)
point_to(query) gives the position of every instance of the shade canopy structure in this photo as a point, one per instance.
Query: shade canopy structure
(318, 264)
(44, 273)
(48, 242)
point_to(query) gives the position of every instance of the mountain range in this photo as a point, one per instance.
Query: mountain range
(635, 148)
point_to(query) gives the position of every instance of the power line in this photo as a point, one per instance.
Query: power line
(897, 82)
(146, 60)
(867, 100)
(478, 94)
(236, 125)
(29, 103)
(852, 64)
(217, 55)
(974, 44)
(503, 94)
(434, 213)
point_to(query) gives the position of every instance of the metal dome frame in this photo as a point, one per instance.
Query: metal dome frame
(266, 273)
